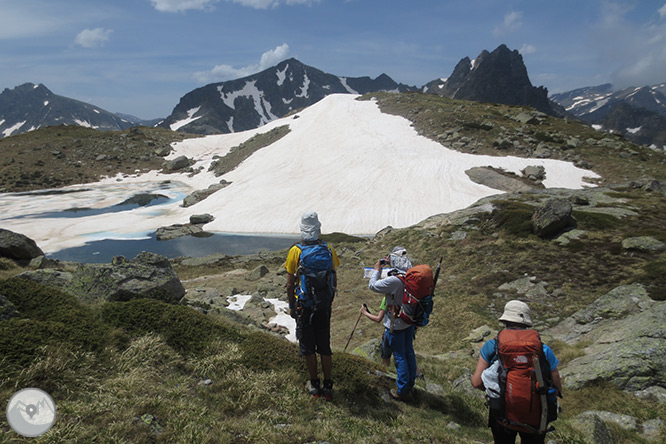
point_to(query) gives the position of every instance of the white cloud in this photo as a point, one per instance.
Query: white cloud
(662, 11)
(634, 53)
(527, 49)
(257, 4)
(93, 38)
(227, 72)
(184, 5)
(181, 5)
(512, 22)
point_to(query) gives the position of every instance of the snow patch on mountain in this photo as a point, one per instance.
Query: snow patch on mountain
(304, 88)
(349, 89)
(190, 118)
(9, 131)
(282, 75)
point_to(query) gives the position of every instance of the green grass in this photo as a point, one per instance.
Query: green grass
(238, 154)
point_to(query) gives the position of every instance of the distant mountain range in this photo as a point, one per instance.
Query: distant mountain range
(247, 103)
(638, 113)
(499, 76)
(28, 107)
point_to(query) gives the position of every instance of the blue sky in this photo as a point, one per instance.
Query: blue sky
(141, 56)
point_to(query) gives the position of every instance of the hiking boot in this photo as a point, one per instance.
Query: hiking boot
(327, 390)
(312, 387)
(398, 397)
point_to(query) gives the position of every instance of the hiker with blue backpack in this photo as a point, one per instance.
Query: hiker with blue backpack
(519, 374)
(311, 285)
(400, 321)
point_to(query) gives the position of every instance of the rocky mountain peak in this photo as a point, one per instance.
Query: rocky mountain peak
(252, 101)
(499, 76)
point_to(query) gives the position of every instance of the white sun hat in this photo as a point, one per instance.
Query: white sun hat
(310, 226)
(517, 312)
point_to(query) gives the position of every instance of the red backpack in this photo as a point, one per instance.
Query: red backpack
(417, 298)
(522, 402)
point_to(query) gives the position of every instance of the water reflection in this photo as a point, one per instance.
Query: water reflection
(103, 251)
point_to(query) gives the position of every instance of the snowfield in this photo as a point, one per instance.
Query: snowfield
(360, 169)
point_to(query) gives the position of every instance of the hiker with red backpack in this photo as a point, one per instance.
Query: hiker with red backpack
(311, 286)
(400, 325)
(519, 374)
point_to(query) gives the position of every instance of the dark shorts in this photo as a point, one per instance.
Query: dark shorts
(314, 333)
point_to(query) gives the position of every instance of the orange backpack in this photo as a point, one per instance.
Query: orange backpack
(521, 403)
(417, 298)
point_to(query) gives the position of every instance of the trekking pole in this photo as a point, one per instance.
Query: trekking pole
(439, 267)
(355, 325)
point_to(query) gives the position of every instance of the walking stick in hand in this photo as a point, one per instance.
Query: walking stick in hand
(355, 325)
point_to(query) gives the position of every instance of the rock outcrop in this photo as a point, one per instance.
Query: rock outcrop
(148, 275)
(18, 246)
(628, 341)
(552, 217)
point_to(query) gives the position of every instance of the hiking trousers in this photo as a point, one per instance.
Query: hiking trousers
(402, 343)
(502, 435)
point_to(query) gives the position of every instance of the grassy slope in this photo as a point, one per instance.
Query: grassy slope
(146, 358)
(58, 156)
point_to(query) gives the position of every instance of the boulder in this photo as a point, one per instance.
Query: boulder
(370, 350)
(176, 231)
(629, 353)
(259, 310)
(18, 246)
(643, 243)
(593, 429)
(178, 163)
(553, 217)
(201, 219)
(494, 179)
(142, 199)
(536, 173)
(148, 275)
(199, 195)
(258, 273)
(613, 306)
(43, 262)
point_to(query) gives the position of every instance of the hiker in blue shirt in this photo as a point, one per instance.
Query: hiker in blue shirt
(516, 316)
(400, 334)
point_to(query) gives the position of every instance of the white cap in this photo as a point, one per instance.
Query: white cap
(517, 312)
(310, 226)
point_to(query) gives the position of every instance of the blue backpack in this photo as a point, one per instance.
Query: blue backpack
(315, 269)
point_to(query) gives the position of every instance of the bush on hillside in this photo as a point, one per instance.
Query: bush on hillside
(513, 218)
(47, 316)
(595, 221)
(337, 237)
(184, 329)
(654, 280)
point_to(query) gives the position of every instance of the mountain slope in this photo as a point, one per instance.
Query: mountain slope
(498, 77)
(29, 106)
(249, 102)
